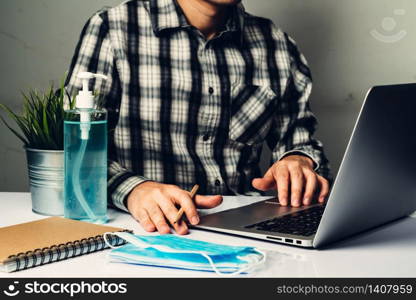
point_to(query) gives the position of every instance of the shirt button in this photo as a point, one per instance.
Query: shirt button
(211, 90)
(206, 137)
(217, 182)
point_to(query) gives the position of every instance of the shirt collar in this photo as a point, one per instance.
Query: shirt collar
(166, 14)
(235, 23)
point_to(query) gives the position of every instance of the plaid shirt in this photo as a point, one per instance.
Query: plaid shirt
(184, 110)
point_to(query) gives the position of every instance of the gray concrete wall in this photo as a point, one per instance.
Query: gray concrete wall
(350, 45)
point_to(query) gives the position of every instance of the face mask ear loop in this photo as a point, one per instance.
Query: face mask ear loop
(255, 263)
(218, 272)
(128, 237)
(261, 261)
(245, 269)
(106, 240)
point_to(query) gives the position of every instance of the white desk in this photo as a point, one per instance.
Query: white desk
(385, 252)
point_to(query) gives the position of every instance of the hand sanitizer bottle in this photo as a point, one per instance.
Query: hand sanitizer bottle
(85, 148)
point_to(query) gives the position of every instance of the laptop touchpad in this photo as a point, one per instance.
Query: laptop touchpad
(243, 216)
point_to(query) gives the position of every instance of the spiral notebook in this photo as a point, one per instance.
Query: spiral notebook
(48, 240)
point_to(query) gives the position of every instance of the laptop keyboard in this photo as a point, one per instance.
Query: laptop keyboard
(304, 222)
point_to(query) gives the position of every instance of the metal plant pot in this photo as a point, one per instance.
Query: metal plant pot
(46, 177)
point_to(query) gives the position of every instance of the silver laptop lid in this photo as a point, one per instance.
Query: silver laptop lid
(376, 182)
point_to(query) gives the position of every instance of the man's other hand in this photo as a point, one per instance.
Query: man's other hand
(295, 181)
(154, 205)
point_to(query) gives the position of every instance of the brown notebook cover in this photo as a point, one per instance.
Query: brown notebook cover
(35, 243)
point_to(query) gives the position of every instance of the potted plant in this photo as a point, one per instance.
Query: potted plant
(41, 123)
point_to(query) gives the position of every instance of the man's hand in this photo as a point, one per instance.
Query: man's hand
(154, 206)
(295, 181)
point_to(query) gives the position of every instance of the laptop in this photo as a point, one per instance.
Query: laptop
(376, 182)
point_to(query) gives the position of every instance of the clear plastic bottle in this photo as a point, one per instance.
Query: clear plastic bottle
(85, 147)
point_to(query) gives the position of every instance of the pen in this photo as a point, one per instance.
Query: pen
(180, 212)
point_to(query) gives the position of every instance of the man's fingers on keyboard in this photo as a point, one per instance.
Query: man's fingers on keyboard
(296, 187)
(282, 180)
(324, 185)
(310, 187)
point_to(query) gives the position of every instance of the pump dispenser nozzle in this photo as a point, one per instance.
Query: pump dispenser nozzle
(85, 100)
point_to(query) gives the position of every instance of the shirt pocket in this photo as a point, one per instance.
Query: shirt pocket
(251, 113)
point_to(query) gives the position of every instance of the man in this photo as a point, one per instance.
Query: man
(195, 88)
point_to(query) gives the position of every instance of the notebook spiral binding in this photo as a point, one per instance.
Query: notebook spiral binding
(30, 259)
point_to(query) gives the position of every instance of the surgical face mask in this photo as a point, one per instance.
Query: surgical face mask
(183, 253)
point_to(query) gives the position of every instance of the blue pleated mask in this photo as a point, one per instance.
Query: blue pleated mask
(184, 253)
